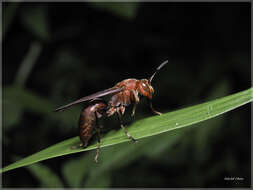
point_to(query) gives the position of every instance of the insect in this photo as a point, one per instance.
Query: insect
(123, 94)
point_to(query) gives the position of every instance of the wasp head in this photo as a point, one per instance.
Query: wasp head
(145, 88)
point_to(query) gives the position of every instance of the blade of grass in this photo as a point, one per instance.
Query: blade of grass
(146, 127)
(28, 63)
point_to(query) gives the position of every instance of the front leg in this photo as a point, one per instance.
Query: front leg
(136, 100)
(153, 110)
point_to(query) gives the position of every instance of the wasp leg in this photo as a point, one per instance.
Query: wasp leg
(153, 110)
(124, 129)
(78, 146)
(136, 101)
(98, 147)
(98, 137)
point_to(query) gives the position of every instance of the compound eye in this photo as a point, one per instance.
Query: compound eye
(145, 87)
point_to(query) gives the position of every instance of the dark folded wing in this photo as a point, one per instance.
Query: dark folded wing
(90, 97)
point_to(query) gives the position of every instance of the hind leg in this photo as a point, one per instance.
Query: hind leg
(98, 127)
(98, 147)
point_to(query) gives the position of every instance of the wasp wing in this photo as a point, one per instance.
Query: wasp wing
(90, 97)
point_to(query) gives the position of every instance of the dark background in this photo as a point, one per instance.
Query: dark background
(54, 53)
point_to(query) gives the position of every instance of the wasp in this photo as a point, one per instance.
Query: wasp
(124, 93)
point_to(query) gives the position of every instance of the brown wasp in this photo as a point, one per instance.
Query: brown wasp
(123, 94)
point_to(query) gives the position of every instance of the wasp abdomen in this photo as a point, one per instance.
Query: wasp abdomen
(88, 121)
(86, 125)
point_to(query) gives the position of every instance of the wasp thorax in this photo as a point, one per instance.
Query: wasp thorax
(145, 88)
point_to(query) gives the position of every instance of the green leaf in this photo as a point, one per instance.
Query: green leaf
(146, 127)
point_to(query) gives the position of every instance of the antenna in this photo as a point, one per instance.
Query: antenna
(157, 69)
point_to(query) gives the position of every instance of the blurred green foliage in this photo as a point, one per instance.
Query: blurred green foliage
(87, 47)
(36, 22)
(126, 10)
(46, 177)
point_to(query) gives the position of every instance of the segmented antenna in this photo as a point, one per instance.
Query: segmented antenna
(157, 69)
